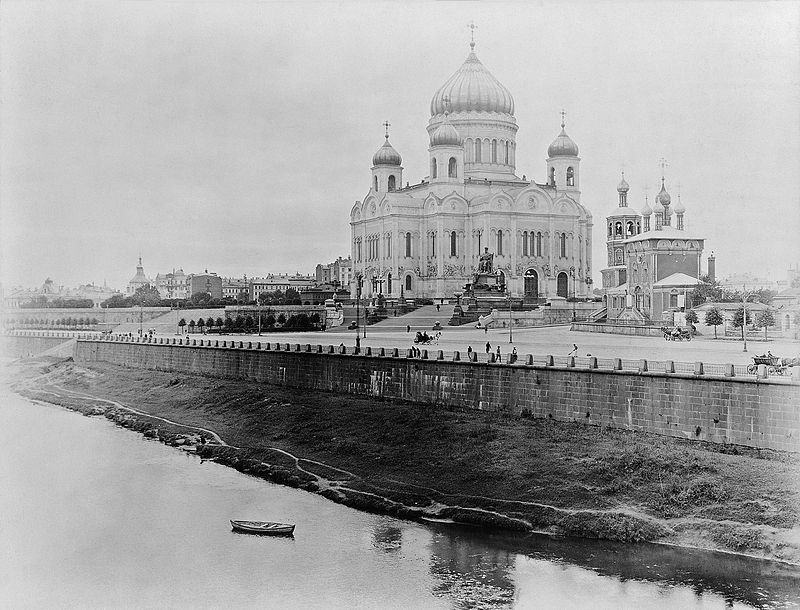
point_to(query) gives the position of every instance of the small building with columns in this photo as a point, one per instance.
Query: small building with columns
(424, 240)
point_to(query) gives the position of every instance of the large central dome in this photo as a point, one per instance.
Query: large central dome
(472, 89)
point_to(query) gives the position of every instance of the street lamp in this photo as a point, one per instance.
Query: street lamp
(510, 321)
(572, 275)
(744, 316)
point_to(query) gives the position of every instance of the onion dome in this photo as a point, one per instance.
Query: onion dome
(623, 186)
(646, 210)
(445, 135)
(679, 209)
(663, 196)
(386, 155)
(562, 146)
(472, 89)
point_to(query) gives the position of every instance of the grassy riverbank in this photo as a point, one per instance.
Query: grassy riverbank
(412, 460)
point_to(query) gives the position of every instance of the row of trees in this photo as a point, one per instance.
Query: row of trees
(712, 291)
(147, 296)
(764, 319)
(45, 323)
(42, 302)
(299, 321)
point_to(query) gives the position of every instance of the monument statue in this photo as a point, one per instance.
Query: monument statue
(486, 262)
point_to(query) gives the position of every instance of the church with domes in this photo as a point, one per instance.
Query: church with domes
(424, 240)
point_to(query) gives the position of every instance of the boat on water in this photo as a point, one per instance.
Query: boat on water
(263, 527)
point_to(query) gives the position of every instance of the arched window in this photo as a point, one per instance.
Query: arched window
(630, 227)
(506, 152)
(478, 150)
(638, 227)
(408, 245)
(494, 151)
(499, 243)
(376, 183)
(389, 247)
(432, 253)
(538, 244)
(469, 147)
(358, 249)
(570, 177)
(561, 285)
(563, 245)
(408, 282)
(525, 243)
(391, 183)
(610, 229)
(452, 169)
(433, 168)
(453, 239)
(552, 179)
(618, 229)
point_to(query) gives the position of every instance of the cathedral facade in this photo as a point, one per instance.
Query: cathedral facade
(424, 240)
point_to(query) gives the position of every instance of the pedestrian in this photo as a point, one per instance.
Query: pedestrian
(358, 344)
(437, 306)
(514, 355)
(488, 347)
(485, 330)
(574, 351)
(469, 350)
(408, 328)
(499, 359)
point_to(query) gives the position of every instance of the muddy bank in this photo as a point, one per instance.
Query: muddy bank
(413, 461)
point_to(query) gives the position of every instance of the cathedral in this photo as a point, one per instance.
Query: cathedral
(424, 240)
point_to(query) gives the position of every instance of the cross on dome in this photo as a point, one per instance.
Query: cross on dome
(472, 28)
(563, 114)
(386, 125)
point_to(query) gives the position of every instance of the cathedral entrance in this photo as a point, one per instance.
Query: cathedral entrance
(531, 284)
(561, 286)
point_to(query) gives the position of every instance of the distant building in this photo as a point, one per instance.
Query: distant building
(651, 268)
(337, 273)
(49, 292)
(282, 282)
(749, 281)
(140, 280)
(237, 289)
(210, 283)
(172, 285)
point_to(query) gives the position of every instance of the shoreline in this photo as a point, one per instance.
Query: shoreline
(289, 465)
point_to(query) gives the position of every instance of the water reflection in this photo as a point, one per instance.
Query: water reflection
(494, 558)
(387, 537)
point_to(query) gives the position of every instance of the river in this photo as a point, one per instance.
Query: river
(92, 515)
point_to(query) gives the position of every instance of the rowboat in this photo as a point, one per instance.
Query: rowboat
(263, 527)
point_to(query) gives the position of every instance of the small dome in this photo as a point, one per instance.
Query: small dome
(679, 209)
(562, 146)
(646, 210)
(386, 155)
(663, 196)
(445, 135)
(472, 89)
(623, 186)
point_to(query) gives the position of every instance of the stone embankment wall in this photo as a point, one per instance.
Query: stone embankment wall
(618, 329)
(697, 406)
(31, 343)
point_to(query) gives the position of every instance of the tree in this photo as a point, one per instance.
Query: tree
(707, 291)
(713, 318)
(269, 320)
(249, 322)
(765, 319)
(291, 297)
(201, 324)
(691, 316)
(281, 318)
(238, 323)
(228, 324)
(739, 321)
(192, 324)
(200, 298)
(210, 323)
(220, 322)
(115, 301)
(181, 324)
(146, 296)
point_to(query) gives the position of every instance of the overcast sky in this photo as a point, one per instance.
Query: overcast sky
(236, 136)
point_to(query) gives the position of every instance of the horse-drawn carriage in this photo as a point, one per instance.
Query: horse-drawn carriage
(775, 365)
(423, 338)
(676, 333)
